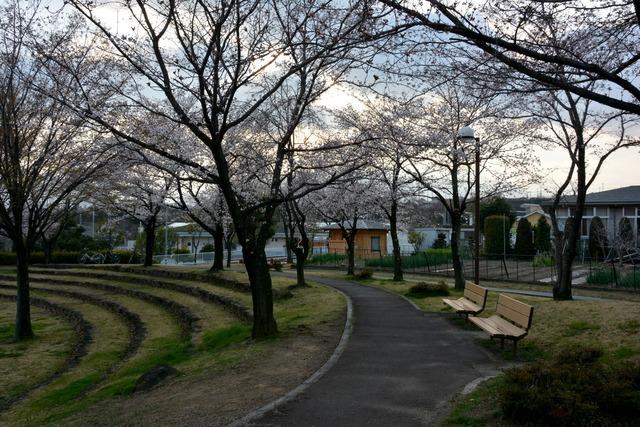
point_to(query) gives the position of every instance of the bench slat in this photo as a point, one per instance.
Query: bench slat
(498, 327)
(515, 305)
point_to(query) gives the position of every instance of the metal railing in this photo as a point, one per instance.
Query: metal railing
(207, 257)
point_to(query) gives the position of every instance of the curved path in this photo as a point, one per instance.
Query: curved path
(400, 367)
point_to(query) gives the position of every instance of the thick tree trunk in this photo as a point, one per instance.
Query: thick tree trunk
(23, 306)
(218, 248)
(264, 324)
(228, 254)
(150, 231)
(458, 270)
(300, 260)
(48, 250)
(397, 255)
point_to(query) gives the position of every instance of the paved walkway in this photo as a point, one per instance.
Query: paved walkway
(399, 368)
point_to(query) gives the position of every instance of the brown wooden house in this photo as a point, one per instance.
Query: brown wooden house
(371, 239)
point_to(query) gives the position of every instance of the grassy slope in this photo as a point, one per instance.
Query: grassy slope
(222, 341)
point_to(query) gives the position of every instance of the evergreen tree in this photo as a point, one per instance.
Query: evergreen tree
(524, 239)
(597, 239)
(626, 232)
(542, 235)
(496, 235)
(496, 207)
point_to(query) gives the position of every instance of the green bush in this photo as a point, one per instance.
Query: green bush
(64, 257)
(431, 257)
(440, 242)
(425, 289)
(365, 273)
(574, 389)
(326, 259)
(181, 251)
(124, 256)
(543, 261)
(207, 248)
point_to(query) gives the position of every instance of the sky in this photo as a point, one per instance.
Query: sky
(621, 169)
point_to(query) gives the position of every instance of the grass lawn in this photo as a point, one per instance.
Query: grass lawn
(101, 387)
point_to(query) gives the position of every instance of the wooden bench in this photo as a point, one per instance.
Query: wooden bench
(511, 321)
(473, 301)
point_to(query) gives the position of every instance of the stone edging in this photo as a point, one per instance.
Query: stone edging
(344, 339)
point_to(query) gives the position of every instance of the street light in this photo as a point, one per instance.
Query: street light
(468, 135)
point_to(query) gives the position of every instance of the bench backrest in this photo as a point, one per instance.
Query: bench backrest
(475, 293)
(515, 311)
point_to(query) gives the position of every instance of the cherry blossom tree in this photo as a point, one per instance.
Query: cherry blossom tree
(597, 42)
(444, 165)
(48, 153)
(138, 191)
(382, 129)
(588, 135)
(216, 70)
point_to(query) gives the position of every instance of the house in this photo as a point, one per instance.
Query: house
(532, 212)
(611, 206)
(370, 241)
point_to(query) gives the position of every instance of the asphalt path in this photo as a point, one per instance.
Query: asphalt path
(401, 367)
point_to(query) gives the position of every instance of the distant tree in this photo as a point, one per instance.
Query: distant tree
(597, 239)
(496, 235)
(207, 248)
(496, 206)
(524, 239)
(626, 232)
(440, 242)
(542, 235)
(416, 238)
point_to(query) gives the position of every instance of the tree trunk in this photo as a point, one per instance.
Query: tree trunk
(300, 260)
(150, 231)
(351, 255)
(397, 255)
(255, 260)
(228, 254)
(458, 271)
(47, 245)
(23, 306)
(218, 248)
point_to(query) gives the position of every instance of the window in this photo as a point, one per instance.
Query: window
(601, 212)
(375, 244)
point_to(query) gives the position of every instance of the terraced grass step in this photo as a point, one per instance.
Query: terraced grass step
(25, 374)
(185, 318)
(234, 302)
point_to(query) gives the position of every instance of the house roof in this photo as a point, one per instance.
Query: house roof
(617, 196)
(362, 224)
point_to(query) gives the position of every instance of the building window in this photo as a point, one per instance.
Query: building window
(602, 212)
(375, 244)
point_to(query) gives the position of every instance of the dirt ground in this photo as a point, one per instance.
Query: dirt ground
(215, 399)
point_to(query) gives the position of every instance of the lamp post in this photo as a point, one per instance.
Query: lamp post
(467, 134)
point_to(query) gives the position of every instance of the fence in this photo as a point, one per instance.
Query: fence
(540, 268)
(207, 257)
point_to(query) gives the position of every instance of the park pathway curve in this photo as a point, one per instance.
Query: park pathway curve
(400, 367)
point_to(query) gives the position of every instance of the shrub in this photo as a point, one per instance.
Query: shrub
(440, 242)
(626, 231)
(124, 256)
(181, 251)
(64, 257)
(524, 239)
(543, 261)
(207, 248)
(365, 273)
(496, 235)
(326, 259)
(425, 289)
(275, 265)
(574, 389)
